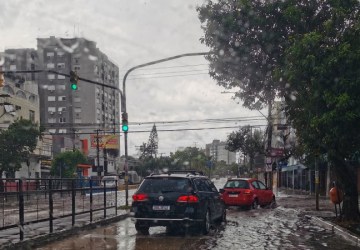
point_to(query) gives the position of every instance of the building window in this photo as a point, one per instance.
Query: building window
(50, 65)
(77, 99)
(61, 77)
(62, 98)
(77, 110)
(51, 109)
(52, 131)
(51, 76)
(77, 120)
(32, 115)
(76, 60)
(51, 98)
(51, 120)
(62, 119)
(51, 87)
(12, 67)
(60, 53)
(77, 68)
(61, 65)
(50, 54)
(61, 87)
(62, 131)
(61, 109)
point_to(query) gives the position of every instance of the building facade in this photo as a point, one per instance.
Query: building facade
(19, 99)
(73, 116)
(217, 151)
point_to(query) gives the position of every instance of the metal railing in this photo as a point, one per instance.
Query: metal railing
(24, 202)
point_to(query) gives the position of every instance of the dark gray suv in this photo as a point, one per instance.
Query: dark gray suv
(181, 198)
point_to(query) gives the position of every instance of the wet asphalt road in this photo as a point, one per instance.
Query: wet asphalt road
(278, 228)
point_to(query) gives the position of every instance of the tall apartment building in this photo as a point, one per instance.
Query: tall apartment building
(73, 115)
(217, 151)
(19, 99)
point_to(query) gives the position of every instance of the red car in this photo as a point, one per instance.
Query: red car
(246, 192)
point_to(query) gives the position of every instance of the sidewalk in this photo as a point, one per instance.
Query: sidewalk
(306, 205)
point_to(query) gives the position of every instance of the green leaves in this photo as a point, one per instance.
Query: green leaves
(16, 144)
(65, 164)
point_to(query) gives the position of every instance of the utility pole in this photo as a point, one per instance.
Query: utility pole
(268, 175)
(123, 105)
(97, 153)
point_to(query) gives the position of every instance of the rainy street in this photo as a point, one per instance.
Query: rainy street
(280, 228)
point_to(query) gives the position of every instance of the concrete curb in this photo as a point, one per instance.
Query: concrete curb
(44, 239)
(344, 233)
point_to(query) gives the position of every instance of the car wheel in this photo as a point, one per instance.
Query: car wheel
(142, 228)
(223, 217)
(273, 203)
(255, 204)
(205, 227)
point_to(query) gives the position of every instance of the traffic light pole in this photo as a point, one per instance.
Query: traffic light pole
(123, 106)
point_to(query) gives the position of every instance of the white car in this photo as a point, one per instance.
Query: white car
(110, 181)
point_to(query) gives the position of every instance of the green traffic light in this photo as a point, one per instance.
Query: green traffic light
(125, 127)
(74, 86)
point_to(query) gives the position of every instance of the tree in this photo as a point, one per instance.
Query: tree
(153, 142)
(190, 158)
(323, 104)
(17, 143)
(65, 164)
(150, 149)
(305, 51)
(247, 142)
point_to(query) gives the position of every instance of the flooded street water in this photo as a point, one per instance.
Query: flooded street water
(279, 228)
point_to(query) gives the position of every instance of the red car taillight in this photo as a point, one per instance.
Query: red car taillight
(188, 198)
(248, 191)
(140, 197)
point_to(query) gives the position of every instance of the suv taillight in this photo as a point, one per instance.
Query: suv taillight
(188, 198)
(140, 197)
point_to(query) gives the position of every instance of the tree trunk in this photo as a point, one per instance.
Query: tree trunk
(346, 175)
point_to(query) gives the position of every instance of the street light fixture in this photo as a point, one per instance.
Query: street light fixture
(123, 105)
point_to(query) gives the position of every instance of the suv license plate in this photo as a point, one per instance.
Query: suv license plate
(233, 195)
(161, 208)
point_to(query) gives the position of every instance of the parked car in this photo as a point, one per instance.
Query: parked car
(246, 192)
(177, 199)
(111, 181)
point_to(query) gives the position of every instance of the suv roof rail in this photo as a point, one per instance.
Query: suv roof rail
(188, 172)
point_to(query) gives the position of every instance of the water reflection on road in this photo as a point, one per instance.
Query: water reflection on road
(278, 228)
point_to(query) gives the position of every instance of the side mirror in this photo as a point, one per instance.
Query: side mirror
(221, 190)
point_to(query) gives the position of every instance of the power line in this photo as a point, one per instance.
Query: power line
(159, 130)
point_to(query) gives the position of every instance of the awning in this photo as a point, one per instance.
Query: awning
(84, 166)
(293, 167)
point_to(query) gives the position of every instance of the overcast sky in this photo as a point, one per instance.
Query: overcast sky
(133, 32)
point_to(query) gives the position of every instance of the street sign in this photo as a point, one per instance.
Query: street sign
(268, 166)
(276, 152)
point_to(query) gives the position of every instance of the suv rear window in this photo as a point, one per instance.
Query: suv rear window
(165, 185)
(237, 184)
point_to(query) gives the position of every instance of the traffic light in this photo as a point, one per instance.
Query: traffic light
(2, 80)
(74, 80)
(124, 122)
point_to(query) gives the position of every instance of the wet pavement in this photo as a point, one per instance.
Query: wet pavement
(284, 227)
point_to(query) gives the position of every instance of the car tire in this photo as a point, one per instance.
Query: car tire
(222, 219)
(273, 203)
(142, 228)
(255, 204)
(206, 223)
